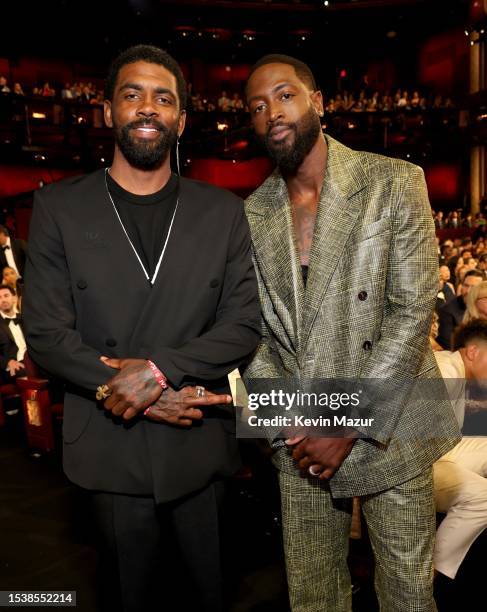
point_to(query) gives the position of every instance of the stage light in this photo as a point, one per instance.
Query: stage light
(222, 126)
(38, 115)
(326, 3)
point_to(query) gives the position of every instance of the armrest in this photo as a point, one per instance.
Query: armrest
(25, 383)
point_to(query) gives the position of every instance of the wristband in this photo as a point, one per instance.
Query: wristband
(158, 375)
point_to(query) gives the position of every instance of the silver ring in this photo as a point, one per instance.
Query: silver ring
(200, 391)
(310, 470)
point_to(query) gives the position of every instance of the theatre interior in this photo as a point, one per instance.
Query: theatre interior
(401, 78)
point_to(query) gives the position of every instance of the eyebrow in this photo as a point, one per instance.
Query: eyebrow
(275, 90)
(138, 87)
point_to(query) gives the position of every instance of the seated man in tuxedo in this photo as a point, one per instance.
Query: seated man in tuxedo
(460, 476)
(451, 314)
(13, 251)
(12, 341)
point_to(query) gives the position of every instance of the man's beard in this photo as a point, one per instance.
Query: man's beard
(290, 154)
(145, 154)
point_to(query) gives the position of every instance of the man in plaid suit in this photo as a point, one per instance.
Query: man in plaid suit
(344, 251)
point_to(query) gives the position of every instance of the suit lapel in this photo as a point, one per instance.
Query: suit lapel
(269, 214)
(339, 207)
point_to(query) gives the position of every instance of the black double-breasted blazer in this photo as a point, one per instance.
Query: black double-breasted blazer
(86, 296)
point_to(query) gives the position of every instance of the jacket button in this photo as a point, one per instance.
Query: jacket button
(214, 283)
(362, 296)
(82, 284)
(111, 342)
(367, 345)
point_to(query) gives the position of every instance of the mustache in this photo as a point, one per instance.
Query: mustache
(152, 123)
(291, 126)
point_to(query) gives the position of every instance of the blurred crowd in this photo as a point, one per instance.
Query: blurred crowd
(364, 100)
(462, 286)
(372, 101)
(82, 92)
(457, 218)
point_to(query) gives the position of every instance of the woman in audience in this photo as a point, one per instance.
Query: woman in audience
(435, 328)
(476, 303)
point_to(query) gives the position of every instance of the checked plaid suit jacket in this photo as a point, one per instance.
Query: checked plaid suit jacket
(374, 236)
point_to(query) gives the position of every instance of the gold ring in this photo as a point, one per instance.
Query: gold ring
(102, 392)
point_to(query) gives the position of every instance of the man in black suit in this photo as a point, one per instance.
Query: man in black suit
(13, 251)
(451, 314)
(137, 269)
(12, 340)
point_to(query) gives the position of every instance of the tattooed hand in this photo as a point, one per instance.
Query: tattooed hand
(183, 407)
(133, 389)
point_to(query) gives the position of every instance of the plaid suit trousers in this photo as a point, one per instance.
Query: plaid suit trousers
(401, 526)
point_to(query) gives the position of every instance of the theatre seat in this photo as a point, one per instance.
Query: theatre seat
(38, 413)
(7, 392)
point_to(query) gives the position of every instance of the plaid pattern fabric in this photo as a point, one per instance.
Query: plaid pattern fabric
(374, 232)
(401, 525)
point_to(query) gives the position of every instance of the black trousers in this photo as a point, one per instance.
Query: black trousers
(159, 558)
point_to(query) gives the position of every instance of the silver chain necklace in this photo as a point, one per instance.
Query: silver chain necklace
(146, 273)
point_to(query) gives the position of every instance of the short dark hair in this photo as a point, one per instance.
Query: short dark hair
(302, 70)
(483, 257)
(151, 55)
(11, 289)
(4, 230)
(473, 273)
(465, 333)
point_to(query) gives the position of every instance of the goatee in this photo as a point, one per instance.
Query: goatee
(145, 154)
(288, 156)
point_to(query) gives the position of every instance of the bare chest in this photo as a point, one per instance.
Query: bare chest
(304, 219)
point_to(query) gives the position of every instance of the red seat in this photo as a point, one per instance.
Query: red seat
(7, 392)
(36, 405)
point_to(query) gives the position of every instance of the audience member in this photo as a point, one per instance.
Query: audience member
(460, 476)
(4, 88)
(18, 91)
(451, 314)
(476, 302)
(434, 333)
(446, 289)
(12, 341)
(12, 251)
(12, 279)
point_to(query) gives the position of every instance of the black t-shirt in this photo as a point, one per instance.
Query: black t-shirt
(146, 218)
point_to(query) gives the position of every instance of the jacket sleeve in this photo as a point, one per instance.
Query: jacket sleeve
(49, 314)
(399, 350)
(236, 331)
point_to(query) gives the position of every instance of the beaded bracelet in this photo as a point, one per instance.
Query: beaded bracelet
(159, 376)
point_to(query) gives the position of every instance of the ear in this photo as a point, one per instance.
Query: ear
(181, 122)
(317, 100)
(471, 352)
(107, 113)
